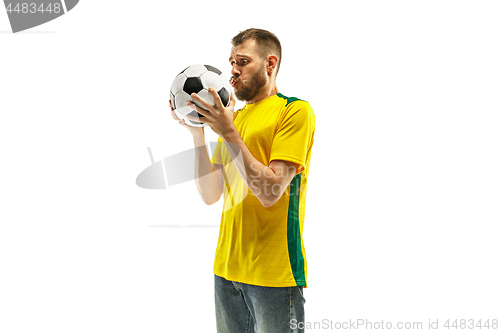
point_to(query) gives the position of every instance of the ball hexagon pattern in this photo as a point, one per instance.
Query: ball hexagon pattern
(197, 79)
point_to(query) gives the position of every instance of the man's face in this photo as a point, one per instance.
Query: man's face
(249, 74)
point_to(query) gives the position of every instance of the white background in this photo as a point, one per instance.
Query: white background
(403, 198)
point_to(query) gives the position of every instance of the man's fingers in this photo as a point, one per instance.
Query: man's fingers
(182, 122)
(198, 109)
(216, 97)
(172, 112)
(201, 101)
(196, 119)
(232, 101)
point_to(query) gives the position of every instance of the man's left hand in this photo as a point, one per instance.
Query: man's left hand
(217, 116)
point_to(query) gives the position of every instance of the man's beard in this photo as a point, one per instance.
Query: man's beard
(247, 92)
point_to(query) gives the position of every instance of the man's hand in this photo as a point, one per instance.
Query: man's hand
(218, 117)
(195, 131)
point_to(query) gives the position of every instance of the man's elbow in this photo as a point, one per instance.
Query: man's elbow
(269, 201)
(209, 202)
(210, 199)
(271, 198)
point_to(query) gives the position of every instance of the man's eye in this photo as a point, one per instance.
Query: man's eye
(240, 62)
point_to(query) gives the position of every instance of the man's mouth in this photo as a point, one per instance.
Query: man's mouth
(233, 81)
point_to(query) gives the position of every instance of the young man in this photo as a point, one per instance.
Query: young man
(261, 164)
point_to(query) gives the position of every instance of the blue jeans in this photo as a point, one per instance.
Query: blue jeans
(245, 308)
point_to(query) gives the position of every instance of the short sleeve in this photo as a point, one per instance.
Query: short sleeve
(216, 156)
(295, 134)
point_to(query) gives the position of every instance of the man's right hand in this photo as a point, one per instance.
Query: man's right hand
(195, 131)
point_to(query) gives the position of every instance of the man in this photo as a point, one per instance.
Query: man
(260, 264)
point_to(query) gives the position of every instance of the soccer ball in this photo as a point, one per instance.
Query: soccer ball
(197, 79)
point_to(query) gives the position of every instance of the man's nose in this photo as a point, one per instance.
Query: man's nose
(235, 71)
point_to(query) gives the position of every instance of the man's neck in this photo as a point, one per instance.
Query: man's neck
(266, 92)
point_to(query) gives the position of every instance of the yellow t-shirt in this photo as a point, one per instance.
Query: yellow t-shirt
(258, 245)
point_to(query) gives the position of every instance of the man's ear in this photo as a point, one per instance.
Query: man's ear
(272, 62)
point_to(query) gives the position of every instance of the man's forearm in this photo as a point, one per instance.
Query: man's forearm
(259, 178)
(206, 180)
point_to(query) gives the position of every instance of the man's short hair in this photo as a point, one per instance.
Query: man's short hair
(267, 41)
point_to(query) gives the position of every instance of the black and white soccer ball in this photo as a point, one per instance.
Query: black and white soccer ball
(197, 79)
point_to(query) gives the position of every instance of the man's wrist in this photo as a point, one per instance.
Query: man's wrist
(231, 135)
(199, 139)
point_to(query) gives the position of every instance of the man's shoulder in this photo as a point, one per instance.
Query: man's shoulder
(289, 100)
(295, 103)
(294, 106)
